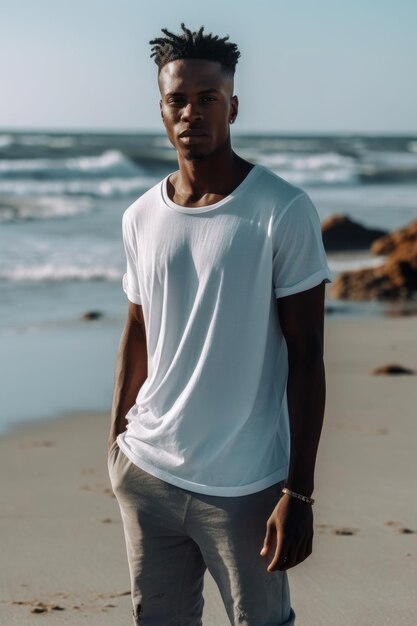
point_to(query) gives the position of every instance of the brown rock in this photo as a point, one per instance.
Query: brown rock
(341, 233)
(395, 279)
(387, 244)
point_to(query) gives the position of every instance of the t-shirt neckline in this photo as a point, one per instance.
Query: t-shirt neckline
(210, 207)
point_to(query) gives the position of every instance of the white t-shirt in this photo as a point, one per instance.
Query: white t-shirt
(212, 414)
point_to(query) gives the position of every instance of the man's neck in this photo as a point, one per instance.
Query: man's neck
(216, 175)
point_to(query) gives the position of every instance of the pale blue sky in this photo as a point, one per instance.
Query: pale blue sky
(306, 65)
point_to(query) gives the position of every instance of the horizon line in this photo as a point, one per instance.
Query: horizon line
(149, 131)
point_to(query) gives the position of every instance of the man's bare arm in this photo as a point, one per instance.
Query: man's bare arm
(131, 369)
(290, 525)
(302, 319)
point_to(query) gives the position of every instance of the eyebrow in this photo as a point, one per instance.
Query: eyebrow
(180, 93)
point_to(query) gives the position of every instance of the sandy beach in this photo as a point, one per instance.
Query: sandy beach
(63, 551)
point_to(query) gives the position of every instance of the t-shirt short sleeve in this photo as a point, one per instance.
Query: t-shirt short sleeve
(130, 281)
(299, 258)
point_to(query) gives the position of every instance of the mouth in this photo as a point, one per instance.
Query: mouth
(192, 133)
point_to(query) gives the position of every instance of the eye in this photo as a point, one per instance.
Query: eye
(175, 101)
(209, 98)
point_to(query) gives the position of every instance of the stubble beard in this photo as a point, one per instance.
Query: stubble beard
(200, 157)
(195, 157)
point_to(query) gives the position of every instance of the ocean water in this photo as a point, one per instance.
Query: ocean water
(62, 196)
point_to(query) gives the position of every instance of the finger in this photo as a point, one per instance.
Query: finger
(268, 539)
(281, 553)
(299, 555)
(306, 549)
(288, 562)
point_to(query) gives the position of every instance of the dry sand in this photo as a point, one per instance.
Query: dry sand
(63, 551)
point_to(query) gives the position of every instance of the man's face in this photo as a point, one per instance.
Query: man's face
(196, 99)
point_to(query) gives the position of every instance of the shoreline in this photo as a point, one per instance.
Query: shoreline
(24, 427)
(95, 344)
(64, 542)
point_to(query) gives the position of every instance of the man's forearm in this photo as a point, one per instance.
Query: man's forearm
(130, 374)
(306, 392)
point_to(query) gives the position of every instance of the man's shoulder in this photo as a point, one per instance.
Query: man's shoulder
(277, 189)
(145, 200)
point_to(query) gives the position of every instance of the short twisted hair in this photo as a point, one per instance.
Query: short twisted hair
(195, 45)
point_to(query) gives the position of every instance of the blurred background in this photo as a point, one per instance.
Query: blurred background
(328, 101)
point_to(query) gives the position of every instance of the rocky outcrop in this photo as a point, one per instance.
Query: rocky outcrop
(395, 240)
(395, 279)
(341, 233)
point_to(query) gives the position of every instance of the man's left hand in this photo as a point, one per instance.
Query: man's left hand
(290, 529)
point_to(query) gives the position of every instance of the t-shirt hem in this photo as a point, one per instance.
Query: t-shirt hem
(309, 282)
(210, 490)
(132, 296)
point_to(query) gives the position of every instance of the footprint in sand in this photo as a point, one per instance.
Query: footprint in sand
(343, 530)
(399, 528)
(40, 607)
(321, 527)
(98, 489)
(392, 369)
(112, 595)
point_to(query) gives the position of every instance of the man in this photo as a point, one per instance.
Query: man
(220, 384)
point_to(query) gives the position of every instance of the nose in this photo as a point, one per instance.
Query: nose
(191, 112)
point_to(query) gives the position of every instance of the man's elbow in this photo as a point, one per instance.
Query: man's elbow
(135, 315)
(307, 349)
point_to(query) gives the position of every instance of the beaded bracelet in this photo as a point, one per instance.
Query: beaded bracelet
(298, 495)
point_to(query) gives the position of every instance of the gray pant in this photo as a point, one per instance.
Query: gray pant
(172, 535)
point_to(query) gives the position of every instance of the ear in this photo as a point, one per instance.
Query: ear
(234, 107)
(160, 109)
